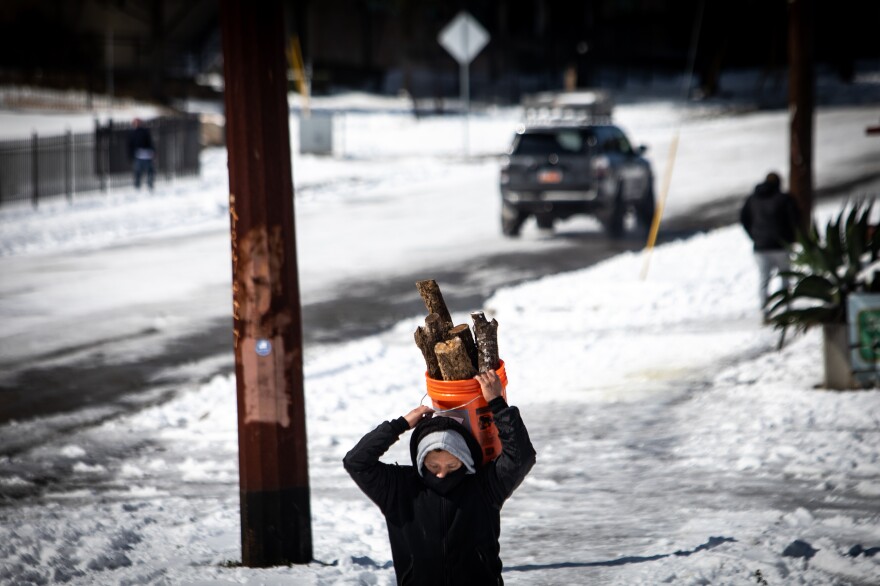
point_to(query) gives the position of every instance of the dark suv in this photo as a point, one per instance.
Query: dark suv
(556, 170)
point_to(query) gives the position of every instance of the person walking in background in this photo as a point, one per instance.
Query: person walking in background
(141, 152)
(770, 217)
(444, 512)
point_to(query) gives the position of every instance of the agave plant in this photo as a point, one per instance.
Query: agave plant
(826, 270)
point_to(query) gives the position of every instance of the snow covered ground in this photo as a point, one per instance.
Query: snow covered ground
(674, 444)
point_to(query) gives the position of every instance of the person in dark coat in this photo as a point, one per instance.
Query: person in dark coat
(141, 152)
(443, 512)
(770, 217)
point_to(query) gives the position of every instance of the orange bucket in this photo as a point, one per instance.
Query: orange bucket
(463, 401)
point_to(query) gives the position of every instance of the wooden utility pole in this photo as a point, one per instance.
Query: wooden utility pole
(273, 465)
(801, 105)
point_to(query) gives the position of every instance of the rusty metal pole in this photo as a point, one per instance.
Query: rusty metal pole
(801, 105)
(275, 510)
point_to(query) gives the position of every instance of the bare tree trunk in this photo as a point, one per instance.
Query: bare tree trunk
(426, 338)
(433, 298)
(455, 364)
(487, 342)
(463, 333)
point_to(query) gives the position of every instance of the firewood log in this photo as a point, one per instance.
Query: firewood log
(433, 298)
(426, 338)
(463, 333)
(486, 333)
(455, 364)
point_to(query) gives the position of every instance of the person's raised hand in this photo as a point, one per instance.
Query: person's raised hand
(490, 385)
(417, 414)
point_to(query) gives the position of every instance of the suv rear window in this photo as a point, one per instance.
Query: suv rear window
(566, 141)
(573, 141)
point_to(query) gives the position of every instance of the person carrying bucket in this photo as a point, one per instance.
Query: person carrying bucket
(443, 512)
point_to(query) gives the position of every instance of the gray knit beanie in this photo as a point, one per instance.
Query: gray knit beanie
(447, 440)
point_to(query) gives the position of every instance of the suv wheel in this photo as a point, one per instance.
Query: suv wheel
(615, 216)
(645, 209)
(545, 221)
(512, 219)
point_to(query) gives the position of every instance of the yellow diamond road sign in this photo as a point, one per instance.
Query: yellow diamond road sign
(463, 37)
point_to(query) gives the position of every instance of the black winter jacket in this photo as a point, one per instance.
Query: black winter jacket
(770, 217)
(139, 138)
(452, 539)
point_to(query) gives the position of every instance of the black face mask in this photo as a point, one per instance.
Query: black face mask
(443, 485)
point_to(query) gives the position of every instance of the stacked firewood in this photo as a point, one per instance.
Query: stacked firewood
(453, 352)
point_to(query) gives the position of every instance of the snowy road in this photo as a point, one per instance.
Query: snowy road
(149, 309)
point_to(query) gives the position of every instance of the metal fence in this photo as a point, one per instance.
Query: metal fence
(44, 167)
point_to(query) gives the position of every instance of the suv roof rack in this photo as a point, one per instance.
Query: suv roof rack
(557, 108)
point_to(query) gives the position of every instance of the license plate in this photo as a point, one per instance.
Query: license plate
(550, 176)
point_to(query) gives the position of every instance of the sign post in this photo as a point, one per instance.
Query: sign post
(267, 320)
(464, 37)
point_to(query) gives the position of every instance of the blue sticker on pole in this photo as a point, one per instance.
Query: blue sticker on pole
(263, 347)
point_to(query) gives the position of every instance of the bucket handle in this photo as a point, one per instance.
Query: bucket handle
(436, 411)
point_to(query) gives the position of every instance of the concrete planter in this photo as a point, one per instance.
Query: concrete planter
(838, 368)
